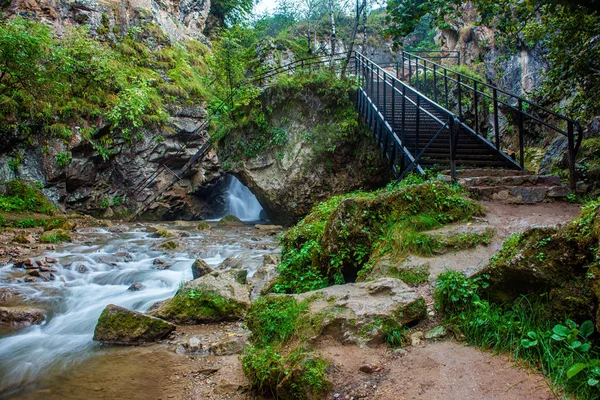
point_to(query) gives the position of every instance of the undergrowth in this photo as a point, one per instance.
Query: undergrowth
(279, 362)
(566, 352)
(24, 197)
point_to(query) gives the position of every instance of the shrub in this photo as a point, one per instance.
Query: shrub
(55, 236)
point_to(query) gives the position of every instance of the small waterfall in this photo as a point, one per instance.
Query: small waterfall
(241, 202)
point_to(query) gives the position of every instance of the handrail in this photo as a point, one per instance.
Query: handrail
(477, 91)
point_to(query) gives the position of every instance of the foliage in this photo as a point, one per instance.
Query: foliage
(565, 352)
(58, 85)
(55, 236)
(24, 197)
(279, 362)
(63, 159)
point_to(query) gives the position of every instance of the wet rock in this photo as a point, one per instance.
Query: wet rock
(194, 345)
(228, 346)
(21, 316)
(136, 287)
(268, 227)
(118, 325)
(436, 332)
(9, 296)
(200, 268)
(370, 368)
(230, 220)
(24, 239)
(203, 226)
(51, 260)
(34, 272)
(81, 268)
(210, 298)
(234, 262)
(159, 263)
(416, 338)
(24, 263)
(357, 312)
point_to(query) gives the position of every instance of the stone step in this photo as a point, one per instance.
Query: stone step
(520, 194)
(514, 180)
(487, 172)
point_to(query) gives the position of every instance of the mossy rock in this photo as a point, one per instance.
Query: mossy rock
(55, 236)
(210, 298)
(230, 220)
(118, 325)
(203, 226)
(200, 268)
(169, 245)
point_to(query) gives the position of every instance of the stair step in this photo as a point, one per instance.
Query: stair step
(520, 194)
(511, 180)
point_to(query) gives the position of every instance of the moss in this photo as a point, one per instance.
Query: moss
(198, 306)
(55, 236)
(413, 276)
(230, 220)
(164, 233)
(169, 245)
(203, 226)
(121, 326)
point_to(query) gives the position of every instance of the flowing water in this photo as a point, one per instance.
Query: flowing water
(97, 272)
(241, 202)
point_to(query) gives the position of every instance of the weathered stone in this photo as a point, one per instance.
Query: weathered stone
(118, 325)
(210, 298)
(24, 263)
(21, 316)
(436, 332)
(200, 268)
(268, 227)
(416, 337)
(136, 287)
(194, 344)
(357, 312)
(233, 262)
(228, 346)
(230, 220)
(370, 368)
(159, 263)
(8, 296)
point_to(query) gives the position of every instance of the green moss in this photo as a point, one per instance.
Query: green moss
(164, 233)
(169, 245)
(203, 226)
(55, 236)
(117, 325)
(413, 276)
(23, 196)
(197, 306)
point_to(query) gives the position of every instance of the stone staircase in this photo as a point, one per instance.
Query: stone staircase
(510, 186)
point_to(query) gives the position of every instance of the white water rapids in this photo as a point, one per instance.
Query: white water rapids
(94, 274)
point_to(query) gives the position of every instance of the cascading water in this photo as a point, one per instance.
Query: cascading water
(89, 277)
(241, 202)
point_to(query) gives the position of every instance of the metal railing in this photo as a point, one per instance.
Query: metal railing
(476, 103)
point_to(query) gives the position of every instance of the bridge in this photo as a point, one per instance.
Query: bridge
(422, 115)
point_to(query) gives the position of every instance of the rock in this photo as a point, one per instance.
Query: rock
(230, 220)
(416, 337)
(370, 368)
(81, 268)
(159, 263)
(210, 298)
(34, 272)
(225, 388)
(268, 227)
(436, 332)
(24, 263)
(51, 260)
(200, 268)
(203, 226)
(357, 312)
(234, 262)
(23, 239)
(21, 316)
(136, 287)
(118, 325)
(194, 345)
(265, 276)
(240, 275)
(8, 296)
(228, 346)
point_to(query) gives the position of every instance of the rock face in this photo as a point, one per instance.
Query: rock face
(179, 21)
(200, 268)
(21, 316)
(118, 325)
(210, 298)
(359, 312)
(316, 161)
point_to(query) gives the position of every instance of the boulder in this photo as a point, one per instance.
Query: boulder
(119, 325)
(230, 220)
(159, 263)
(360, 313)
(136, 287)
(21, 316)
(8, 296)
(200, 268)
(265, 276)
(210, 298)
(203, 226)
(233, 262)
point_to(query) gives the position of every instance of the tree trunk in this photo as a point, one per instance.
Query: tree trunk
(359, 10)
(332, 17)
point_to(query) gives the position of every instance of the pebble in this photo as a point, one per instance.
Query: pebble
(370, 368)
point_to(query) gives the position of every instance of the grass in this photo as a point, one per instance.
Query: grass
(563, 350)
(413, 276)
(280, 362)
(57, 236)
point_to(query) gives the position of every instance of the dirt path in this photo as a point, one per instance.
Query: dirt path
(441, 370)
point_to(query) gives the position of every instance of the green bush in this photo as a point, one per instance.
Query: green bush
(27, 223)
(274, 320)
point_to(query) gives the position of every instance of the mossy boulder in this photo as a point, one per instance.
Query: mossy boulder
(203, 226)
(360, 313)
(118, 325)
(230, 220)
(210, 298)
(559, 265)
(200, 268)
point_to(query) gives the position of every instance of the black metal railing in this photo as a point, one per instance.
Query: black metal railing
(478, 106)
(384, 102)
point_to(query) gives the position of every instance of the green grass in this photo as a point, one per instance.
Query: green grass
(55, 237)
(563, 351)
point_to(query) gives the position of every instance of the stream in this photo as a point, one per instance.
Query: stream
(97, 271)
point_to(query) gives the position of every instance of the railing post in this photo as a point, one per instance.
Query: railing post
(393, 120)
(397, 70)
(378, 85)
(521, 135)
(384, 97)
(475, 100)
(496, 123)
(417, 123)
(453, 127)
(403, 62)
(409, 69)
(446, 85)
(459, 96)
(403, 115)
(572, 155)
(435, 83)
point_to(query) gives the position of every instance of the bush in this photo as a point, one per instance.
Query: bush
(55, 236)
